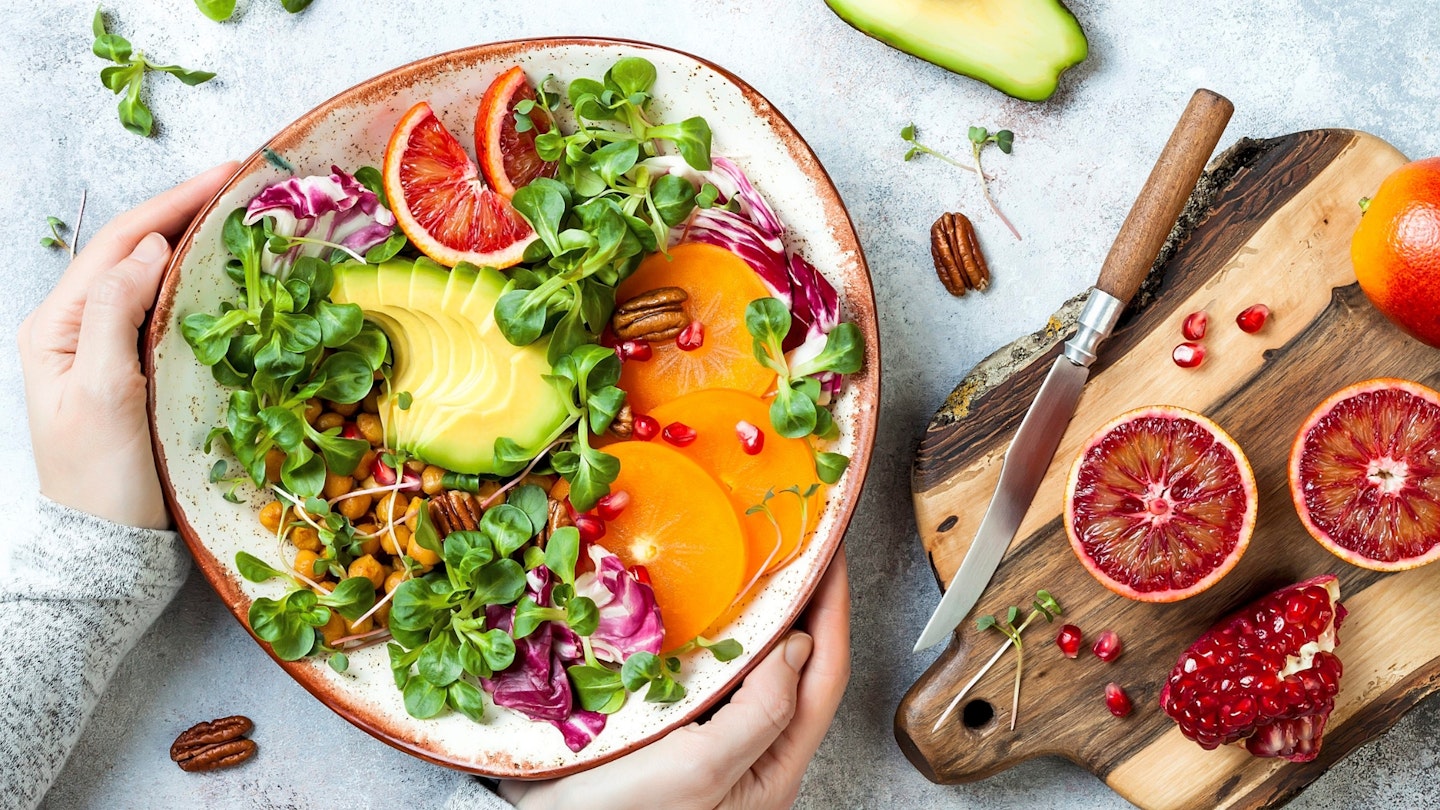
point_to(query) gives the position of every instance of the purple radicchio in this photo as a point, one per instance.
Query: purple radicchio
(328, 211)
(629, 614)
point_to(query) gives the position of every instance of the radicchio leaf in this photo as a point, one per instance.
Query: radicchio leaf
(337, 209)
(629, 615)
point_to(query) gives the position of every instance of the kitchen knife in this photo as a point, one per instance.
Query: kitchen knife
(1031, 450)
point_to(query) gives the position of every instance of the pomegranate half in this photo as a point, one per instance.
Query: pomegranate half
(1267, 675)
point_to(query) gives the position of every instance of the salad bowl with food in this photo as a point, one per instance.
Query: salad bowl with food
(516, 400)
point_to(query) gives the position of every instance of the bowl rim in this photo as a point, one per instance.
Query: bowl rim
(860, 302)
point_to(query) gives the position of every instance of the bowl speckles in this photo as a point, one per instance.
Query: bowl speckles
(351, 130)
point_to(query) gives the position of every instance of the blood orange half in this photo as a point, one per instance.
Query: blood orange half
(507, 155)
(443, 205)
(1160, 504)
(1365, 474)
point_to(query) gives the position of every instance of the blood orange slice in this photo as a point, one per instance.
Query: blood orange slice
(1365, 474)
(1160, 505)
(507, 156)
(443, 206)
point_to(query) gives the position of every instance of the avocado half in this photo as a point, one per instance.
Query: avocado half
(1019, 47)
(468, 385)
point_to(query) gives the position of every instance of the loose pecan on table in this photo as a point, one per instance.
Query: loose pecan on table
(958, 260)
(654, 315)
(213, 745)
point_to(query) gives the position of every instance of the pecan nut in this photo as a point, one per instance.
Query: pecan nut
(454, 510)
(654, 315)
(956, 251)
(216, 744)
(623, 425)
(559, 519)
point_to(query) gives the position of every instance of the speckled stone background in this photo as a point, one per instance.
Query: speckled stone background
(1078, 161)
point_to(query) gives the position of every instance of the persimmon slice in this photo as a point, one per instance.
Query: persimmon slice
(719, 285)
(679, 525)
(715, 414)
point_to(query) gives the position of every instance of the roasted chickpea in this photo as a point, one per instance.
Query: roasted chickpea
(486, 489)
(271, 514)
(355, 506)
(370, 428)
(370, 568)
(371, 402)
(274, 459)
(326, 586)
(345, 409)
(382, 615)
(334, 630)
(415, 505)
(431, 480)
(328, 420)
(306, 539)
(370, 545)
(420, 554)
(305, 563)
(415, 465)
(400, 540)
(313, 410)
(337, 485)
(361, 627)
(391, 507)
(393, 581)
(545, 482)
(362, 470)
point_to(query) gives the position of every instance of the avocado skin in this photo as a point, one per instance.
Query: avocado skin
(1019, 47)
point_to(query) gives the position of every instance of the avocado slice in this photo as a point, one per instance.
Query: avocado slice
(469, 386)
(1019, 47)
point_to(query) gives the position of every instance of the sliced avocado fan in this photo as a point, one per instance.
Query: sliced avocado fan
(1019, 47)
(467, 385)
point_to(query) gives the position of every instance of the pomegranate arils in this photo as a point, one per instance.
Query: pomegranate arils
(637, 350)
(1107, 646)
(1188, 355)
(691, 337)
(350, 430)
(1266, 675)
(1194, 326)
(1069, 640)
(679, 434)
(385, 475)
(591, 527)
(1253, 319)
(1116, 700)
(642, 574)
(752, 438)
(610, 506)
(644, 428)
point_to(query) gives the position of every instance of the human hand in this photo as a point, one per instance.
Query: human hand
(754, 751)
(84, 390)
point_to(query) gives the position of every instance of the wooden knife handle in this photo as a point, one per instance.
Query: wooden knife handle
(1164, 194)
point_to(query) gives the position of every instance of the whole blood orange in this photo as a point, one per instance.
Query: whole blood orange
(781, 463)
(719, 285)
(1365, 474)
(680, 526)
(507, 155)
(1396, 249)
(443, 206)
(1160, 505)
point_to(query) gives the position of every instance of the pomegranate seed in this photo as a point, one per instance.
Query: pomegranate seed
(351, 431)
(751, 438)
(1188, 355)
(644, 428)
(608, 338)
(1195, 323)
(1107, 646)
(1069, 640)
(1252, 320)
(691, 337)
(638, 350)
(610, 506)
(641, 573)
(1116, 700)
(679, 434)
(591, 527)
(385, 475)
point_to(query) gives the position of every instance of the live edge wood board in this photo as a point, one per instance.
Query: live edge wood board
(1270, 223)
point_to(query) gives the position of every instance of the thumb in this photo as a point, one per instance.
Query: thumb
(115, 305)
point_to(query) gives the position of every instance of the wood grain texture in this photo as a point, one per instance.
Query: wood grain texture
(1271, 223)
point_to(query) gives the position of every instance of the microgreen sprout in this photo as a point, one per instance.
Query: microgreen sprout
(979, 137)
(55, 240)
(763, 508)
(127, 76)
(1042, 605)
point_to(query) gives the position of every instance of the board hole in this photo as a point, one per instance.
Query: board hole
(977, 714)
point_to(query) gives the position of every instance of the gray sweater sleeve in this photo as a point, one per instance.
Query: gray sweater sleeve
(80, 592)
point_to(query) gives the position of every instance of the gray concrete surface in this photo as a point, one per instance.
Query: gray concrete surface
(1078, 161)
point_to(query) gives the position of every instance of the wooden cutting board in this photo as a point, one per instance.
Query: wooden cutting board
(1270, 223)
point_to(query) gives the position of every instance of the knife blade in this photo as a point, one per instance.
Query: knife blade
(1141, 236)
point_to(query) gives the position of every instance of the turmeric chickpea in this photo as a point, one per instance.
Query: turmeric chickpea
(382, 616)
(486, 489)
(371, 402)
(415, 505)
(391, 507)
(355, 506)
(313, 410)
(370, 429)
(401, 540)
(370, 545)
(327, 587)
(415, 465)
(361, 627)
(337, 485)
(420, 554)
(271, 514)
(545, 482)
(305, 563)
(345, 409)
(431, 480)
(274, 459)
(370, 568)
(306, 539)
(334, 630)
(328, 420)
(362, 470)
(393, 581)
